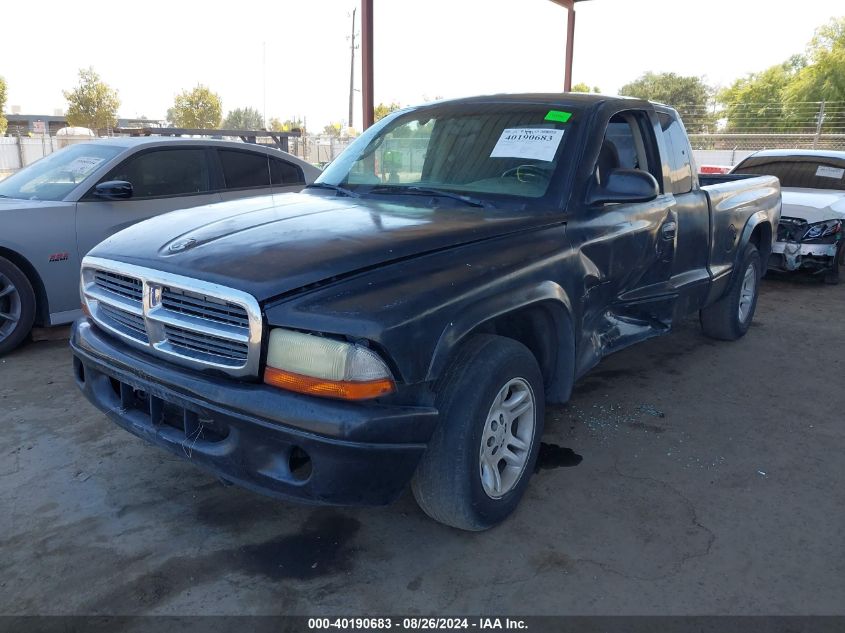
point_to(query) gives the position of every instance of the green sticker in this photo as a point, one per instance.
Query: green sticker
(558, 115)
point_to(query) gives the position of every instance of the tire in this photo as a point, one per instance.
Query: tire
(730, 317)
(17, 306)
(452, 481)
(832, 276)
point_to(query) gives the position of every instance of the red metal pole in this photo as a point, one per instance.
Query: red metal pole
(570, 47)
(367, 61)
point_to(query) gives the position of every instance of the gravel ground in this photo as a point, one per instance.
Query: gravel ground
(686, 476)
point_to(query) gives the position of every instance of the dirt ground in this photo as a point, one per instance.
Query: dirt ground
(711, 482)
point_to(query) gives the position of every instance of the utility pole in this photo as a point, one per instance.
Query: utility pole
(264, 81)
(819, 124)
(352, 71)
(367, 62)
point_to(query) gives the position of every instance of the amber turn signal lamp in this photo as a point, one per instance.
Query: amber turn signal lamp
(345, 390)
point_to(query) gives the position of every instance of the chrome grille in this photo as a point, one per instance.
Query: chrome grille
(184, 320)
(130, 324)
(129, 287)
(229, 351)
(202, 307)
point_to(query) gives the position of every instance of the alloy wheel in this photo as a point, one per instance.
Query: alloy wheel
(507, 438)
(10, 307)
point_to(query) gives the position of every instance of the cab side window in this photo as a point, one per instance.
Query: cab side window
(248, 170)
(285, 174)
(164, 173)
(244, 170)
(680, 161)
(627, 144)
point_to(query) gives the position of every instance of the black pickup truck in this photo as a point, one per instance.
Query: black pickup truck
(407, 317)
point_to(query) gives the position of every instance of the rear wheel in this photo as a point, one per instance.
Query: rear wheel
(17, 306)
(730, 317)
(479, 461)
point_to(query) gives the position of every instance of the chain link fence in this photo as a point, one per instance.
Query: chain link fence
(318, 150)
(720, 134)
(725, 133)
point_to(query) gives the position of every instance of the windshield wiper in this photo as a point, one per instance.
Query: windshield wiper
(341, 190)
(428, 191)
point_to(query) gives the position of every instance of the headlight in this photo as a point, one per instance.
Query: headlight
(823, 229)
(319, 366)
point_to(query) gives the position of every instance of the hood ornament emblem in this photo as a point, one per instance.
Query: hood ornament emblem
(182, 245)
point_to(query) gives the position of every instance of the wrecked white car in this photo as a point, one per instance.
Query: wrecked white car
(810, 234)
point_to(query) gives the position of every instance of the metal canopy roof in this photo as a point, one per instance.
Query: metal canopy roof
(367, 53)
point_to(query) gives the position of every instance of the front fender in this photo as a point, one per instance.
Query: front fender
(548, 296)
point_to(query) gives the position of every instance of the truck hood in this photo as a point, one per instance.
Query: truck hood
(813, 205)
(272, 245)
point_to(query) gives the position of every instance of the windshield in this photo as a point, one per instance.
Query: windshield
(808, 174)
(56, 175)
(480, 151)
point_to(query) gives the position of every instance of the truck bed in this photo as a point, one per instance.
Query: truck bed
(730, 197)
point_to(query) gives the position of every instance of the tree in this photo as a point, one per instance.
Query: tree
(822, 78)
(244, 119)
(582, 87)
(785, 97)
(688, 95)
(277, 125)
(756, 103)
(92, 104)
(3, 122)
(199, 108)
(332, 129)
(382, 110)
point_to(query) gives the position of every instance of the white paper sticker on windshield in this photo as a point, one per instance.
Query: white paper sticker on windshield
(531, 143)
(830, 172)
(83, 165)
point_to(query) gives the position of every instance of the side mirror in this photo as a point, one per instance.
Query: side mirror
(114, 190)
(624, 185)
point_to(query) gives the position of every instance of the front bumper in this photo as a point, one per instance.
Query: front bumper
(270, 441)
(797, 255)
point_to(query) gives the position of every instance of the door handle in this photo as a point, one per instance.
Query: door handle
(668, 230)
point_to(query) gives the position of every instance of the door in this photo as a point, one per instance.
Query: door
(628, 247)
(689, 269)
(163, 179)
(253, 173)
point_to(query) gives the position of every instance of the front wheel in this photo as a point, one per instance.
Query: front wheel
(479, 461)
(17, 306)
(730, 317)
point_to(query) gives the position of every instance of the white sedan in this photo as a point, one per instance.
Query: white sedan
(811, 233)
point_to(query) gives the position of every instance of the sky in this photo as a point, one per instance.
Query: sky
(293, 55)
